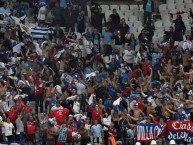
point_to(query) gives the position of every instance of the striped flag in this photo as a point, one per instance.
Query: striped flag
(40, 33)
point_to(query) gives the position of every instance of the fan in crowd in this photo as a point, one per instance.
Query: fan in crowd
(88, 86)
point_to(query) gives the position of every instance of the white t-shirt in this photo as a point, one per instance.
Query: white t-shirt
(128, 56)
(106, 121)
(81, 88)
(8, 128)
(88, 45)
(42, 13)
(187, 45)
(76, 107)
(14, 59)
(56, 108)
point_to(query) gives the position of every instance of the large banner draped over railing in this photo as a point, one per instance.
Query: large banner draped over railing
(180, 131)
(148, 132)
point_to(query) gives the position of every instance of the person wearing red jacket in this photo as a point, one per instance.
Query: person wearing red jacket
(12, 114)
(96, 112)
(31, 129)
(39, 94)
(60, 115)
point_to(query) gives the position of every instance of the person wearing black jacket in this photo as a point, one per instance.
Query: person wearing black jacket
(58, 32)
(148, 7)
(110, 25)
(94, 13)
(96, 38)
(99, 20)
(123, 28)
(70, 19)
(115, 18)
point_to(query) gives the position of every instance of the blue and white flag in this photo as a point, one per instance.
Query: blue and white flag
(148, 132)
(40, 33)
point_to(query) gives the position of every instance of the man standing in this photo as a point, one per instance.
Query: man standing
(115, 18)
(96, 130)
(148, 7)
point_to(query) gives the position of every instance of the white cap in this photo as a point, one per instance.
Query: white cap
(172, 142)
(138, 143)
(153, 142)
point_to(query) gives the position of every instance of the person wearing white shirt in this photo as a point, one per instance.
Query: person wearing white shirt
(81, 88)
(9, 129)
(57, 106)
(5, 9)
(76, 105)
(129, 55)
(88, 45)
(107, 122)
(187, 43)
(42, 15)
(88, 126)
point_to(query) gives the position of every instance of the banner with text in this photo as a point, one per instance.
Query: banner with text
(148, 132)
(180, 131)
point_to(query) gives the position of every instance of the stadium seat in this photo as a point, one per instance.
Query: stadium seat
(166, 28)
(130, 24)
(164, 13)
(133, 29)
(188, 6)
(158, 24)
(174, 17)
(90, 29)
(107, 14)
(78, 35)
(184, 16)
(173, 11)
(137, 24)
(141, 7)
(128, 14)
(104, 8)
(114, 7)
(121, 14)
(134, 8)
(171, 6)
(167, 23)
(124, 7)
(133, 18)
(155, 39)
(162, 7)
(179, 1)
(139, 29)
(186, 21)
(188, 27)
(181, 43)
(180, 7)
(170, 1)
(187, 1)
(140, 15)
(165, 18)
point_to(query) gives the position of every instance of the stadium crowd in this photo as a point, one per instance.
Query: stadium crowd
(88, 86)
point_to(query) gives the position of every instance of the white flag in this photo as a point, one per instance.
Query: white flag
(117, 102)
(72, 98)
(90, 101)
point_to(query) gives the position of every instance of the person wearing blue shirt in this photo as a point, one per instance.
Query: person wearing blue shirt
(179, 115)
(107, 36)
(148, 7)
(96, 130)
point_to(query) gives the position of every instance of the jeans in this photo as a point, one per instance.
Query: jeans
(39, 99)
(21, 137)
(131, 136)
(147, 17)
(9, 139)
(31, 138)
